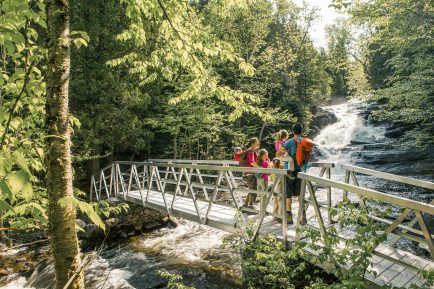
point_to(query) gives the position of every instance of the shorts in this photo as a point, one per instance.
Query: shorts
(293, 186)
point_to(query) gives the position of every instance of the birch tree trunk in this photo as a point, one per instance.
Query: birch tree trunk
(63, 237)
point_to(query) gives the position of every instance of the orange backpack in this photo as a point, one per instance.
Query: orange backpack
(304, 150)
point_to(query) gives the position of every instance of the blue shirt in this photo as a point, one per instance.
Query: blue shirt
(291, 147)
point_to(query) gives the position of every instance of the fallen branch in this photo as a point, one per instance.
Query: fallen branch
(26, 244)
(12, 229)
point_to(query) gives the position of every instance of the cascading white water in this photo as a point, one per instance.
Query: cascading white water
(333, 140)
(189, 248)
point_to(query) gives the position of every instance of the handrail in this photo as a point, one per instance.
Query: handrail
(388, 176)
(209, 168)
(379, 196)
(211, 162)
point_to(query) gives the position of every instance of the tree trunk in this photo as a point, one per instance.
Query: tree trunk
(63, 237)
(175, 147)
(265, 123)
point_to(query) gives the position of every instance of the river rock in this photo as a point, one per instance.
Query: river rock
(357, 142)
(396, 132)
(377, 146)
(93, 232)
(80, 223)
(323, 118)
(3, 272)
(393, 156)
(111, 222)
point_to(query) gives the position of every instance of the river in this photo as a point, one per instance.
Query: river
(196, 251)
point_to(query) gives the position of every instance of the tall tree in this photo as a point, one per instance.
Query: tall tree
(338, 43)
(64, 244)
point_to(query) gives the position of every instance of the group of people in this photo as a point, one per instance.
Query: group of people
(285, 158)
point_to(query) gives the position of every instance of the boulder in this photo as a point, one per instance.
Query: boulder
(323, 118)
(396, 132)
(392, 156)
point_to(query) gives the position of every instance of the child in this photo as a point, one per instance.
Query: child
(237, 152)
(281, 138)
(262, 182)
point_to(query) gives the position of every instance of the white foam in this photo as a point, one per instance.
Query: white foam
(189, 241)
(19, 283)
(100, 272)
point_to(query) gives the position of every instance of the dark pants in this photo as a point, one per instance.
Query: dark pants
(252, 184)
(293, 185)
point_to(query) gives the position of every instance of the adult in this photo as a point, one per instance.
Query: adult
(293, 183)
(252, 162)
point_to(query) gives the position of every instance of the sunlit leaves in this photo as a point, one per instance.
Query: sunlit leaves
(83, 207)
(22, 91)
(183, 46)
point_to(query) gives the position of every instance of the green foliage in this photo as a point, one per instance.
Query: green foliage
(174, 280)
(400, 62)
(22, 89)
(356, 251)
(266, 263)
(103, 208)
(338, 63)
(179, 42)
(83, 207)
(123, 119)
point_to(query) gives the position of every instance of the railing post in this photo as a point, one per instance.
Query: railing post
(347, 181)
(300, 217)
(92, 180)
(116, 180)
(329, 198)
(284, 209)
(111, 180)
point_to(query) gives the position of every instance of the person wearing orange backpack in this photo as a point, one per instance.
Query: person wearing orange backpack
(299, 149)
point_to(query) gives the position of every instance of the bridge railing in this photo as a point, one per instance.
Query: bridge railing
(209, 182)
(396, 227)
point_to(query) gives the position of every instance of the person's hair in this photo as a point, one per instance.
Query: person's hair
(261, 153)
(251, 142)
(277, 164)
(281, 134)
(297, 128)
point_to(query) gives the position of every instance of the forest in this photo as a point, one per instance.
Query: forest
(85, 83)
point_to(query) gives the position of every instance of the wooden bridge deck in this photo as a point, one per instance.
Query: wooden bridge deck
(211, 194)
(224, 218)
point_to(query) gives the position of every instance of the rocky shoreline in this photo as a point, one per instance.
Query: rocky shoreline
(32, 248)
(389, 155)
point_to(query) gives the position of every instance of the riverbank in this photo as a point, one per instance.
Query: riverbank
(31, 249)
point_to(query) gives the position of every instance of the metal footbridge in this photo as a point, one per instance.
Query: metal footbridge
(211, 192)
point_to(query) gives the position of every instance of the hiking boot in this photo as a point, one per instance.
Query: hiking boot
(289, 219)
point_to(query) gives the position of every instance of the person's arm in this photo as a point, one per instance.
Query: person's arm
(287, 145)
(255, 165)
